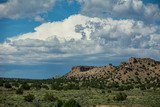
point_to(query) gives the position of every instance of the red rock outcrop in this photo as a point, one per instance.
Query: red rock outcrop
(82, 68)
(134, 68)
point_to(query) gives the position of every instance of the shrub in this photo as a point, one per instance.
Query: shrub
(7, 85)
(129, 87)
(29, 97)
(71, 103)
(121, 88)
(70, 86)
(56, 86)
(36, 103)
(142, 87)
(45, 87)
(37, 86)
(15, 84)
(103, 91)
(1, 83)
(120, 97)
(49, 97)
(19, 91)
(109, 91)
(58, 103)
(25, 86)
(125, 87)
(136, 73)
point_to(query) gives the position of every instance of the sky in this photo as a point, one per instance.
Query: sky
(41, 39)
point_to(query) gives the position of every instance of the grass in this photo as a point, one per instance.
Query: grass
(86, 97)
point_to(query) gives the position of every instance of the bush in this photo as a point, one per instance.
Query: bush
(36, 103)
(109, 91)
(7, 85)
(121, 88)
(45, 87)
(1, 83)
(125, 87)
(29, 97)
(58, 103)
(19, 91)
(142, 87)
(15, 84)
(70, 86)
(25, 86)
(49, 97)
(103, 91)
(37, 86)
(120, 97)
(55, 86)
(71, 103)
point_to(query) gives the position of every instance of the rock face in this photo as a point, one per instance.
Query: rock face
(132, 60)
(142, 68)
(82, 68)
(87, 71)
(142, 61)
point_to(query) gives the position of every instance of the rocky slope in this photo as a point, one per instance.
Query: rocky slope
(134, 69)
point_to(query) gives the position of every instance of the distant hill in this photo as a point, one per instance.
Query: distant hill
(135, 69)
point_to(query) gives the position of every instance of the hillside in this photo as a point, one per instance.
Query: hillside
(135, 83)
(135, 69)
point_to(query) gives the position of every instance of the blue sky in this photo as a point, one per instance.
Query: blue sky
(45, 38)
(13, 27)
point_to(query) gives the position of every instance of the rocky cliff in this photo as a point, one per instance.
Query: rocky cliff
(133, 69)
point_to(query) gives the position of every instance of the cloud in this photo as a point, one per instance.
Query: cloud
(38, 19)
(132, 9)
(81, 37)
(15, 9)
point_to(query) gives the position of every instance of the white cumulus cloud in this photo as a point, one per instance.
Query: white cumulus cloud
(23, 8)
(82, 37)
(132, 9)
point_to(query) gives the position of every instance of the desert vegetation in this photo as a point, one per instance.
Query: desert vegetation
(87, 90)
(70, 92)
